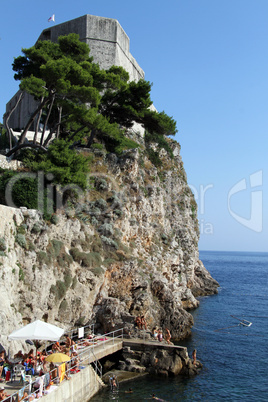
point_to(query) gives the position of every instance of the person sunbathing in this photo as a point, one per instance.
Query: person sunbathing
(89, 341)
(75, 364)
(2, 362)
(19, 355)
(31, 354)
(68, 342)
(138, 322)
(56, 348)
(3, 394)
(143, 323)
(168, 336)
(43, 355)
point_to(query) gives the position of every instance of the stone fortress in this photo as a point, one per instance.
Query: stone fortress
(108, 43)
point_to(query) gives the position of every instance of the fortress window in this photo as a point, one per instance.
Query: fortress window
(47, 34)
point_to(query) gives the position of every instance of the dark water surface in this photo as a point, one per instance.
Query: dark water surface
(235, 357)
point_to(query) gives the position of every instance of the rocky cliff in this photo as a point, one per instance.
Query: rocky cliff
(127, 247)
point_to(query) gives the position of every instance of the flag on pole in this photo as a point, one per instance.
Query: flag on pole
(52, 18)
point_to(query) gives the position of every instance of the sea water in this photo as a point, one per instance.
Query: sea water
(234, 356)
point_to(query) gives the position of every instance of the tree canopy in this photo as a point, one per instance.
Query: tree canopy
(77, 100)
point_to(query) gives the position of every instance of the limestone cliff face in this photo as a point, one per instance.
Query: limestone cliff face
(130, 246)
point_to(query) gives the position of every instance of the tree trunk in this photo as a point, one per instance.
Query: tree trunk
(46, 121)
(91, 138)
(77, 131)
(37, 123)
(59, 122)
(49, 136)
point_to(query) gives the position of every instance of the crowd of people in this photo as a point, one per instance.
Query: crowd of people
(157, 333)
(140, 322)
(35, 364)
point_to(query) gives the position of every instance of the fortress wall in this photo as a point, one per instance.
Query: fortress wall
(21, 115)
(77, 26)
(108, 42)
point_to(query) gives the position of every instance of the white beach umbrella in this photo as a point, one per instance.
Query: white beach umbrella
(37, 330)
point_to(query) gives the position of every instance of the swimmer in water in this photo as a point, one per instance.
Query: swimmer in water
(158, 399)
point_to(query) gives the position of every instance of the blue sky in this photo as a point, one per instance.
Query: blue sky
(208, 62)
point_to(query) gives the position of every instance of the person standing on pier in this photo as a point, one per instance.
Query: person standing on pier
(168, 336)
(194, 356)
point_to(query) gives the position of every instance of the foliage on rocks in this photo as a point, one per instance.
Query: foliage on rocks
(22, 190)
(21, 240)
(109, 242)
(90, 260)
(2, 244)
(59, 290)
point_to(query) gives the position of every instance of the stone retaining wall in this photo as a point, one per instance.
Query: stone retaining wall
(81, 388)
(8, 163)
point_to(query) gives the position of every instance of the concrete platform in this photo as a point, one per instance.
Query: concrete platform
(140, 344)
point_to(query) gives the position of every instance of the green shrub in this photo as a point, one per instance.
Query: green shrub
(109, 242)
(20, 239)
(43, 257)
(21, 274)
(98, 271)
(74, 282)
(66, 165)
(106, 229)
(2, 244)
(123, 247)
(22, 189)
(36, 228)
(76, 254)
(54, 248)
(91, 260)
(94, 221)
(63, 305)
(97, 146)
(101, 184)
(115, 201)
(64, 260)
(154, 157)
(31, 246)
(59, 289)
(57, 245)
(68, 278)
(108, 262)
(101, 203)
(54, 219)
(118, 212)
(124, 144)
(96, 245)
(22, 228)
(162, 143)
(4, 140)
(94, 211)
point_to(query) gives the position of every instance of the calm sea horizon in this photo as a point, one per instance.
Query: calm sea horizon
(234, 356)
